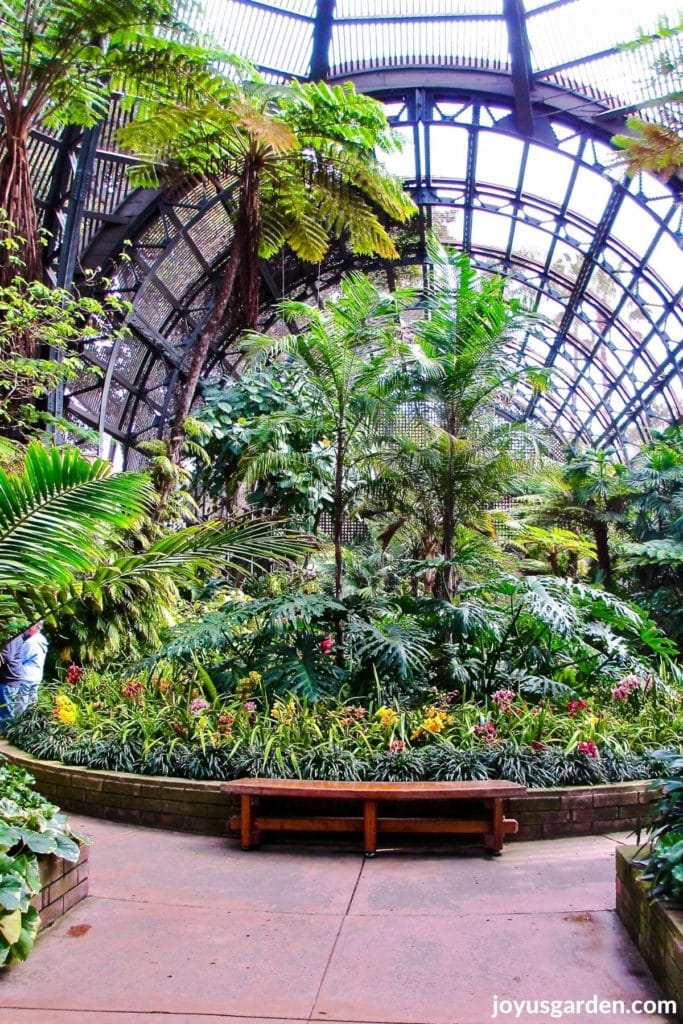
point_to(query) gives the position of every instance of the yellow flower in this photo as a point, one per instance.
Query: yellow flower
(65, 710)
(434, 724)
(242, 420)
(388, 717)
(283, 713)
(254, 678)
(244, 688)
(325, 442)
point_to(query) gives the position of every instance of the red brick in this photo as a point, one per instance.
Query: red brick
(51, 912)
(68, 880)
(572, 828)
(75, 895)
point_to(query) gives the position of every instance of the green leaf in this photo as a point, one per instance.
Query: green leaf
(12, 891)
(10, 926)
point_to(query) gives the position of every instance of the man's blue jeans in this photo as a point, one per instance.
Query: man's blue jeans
(8, 700)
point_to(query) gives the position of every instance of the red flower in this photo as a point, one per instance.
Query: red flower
(74, 674)
(537, 745)
(327, 645)
(588, 748)
(574, 706)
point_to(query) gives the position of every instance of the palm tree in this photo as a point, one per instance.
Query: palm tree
(349, 353)
(59, 64)
(596, 479)
(54, 517)
(302, 164)
(584, 495)
(60, 518)
(465, 460)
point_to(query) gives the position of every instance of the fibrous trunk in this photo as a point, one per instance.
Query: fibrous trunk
(21, 225)
(242, 263)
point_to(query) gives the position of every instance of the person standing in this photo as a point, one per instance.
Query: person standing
(10, 677)
(33, 652)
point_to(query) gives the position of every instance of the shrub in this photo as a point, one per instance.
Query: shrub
(29, 825)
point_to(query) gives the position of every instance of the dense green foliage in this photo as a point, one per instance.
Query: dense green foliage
(664, 861)
(29, 825)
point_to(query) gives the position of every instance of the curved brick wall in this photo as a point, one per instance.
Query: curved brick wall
(200, 807)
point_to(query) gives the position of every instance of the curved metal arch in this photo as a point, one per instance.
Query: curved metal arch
(532, 101)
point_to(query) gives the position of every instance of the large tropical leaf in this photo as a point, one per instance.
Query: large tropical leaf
(55, 513)
(214, 547)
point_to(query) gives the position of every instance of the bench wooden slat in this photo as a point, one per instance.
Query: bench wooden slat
(310, 788)
(473, 826)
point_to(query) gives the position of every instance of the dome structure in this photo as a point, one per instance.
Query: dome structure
(506, 109)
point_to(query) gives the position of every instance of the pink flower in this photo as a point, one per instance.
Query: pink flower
(198, 705)
(327, 645)
(625, 687)
(504, 699)
(396, 747)
(574, 706)
(74, 674)
(588, 748)
(249, 705)
(486, 731)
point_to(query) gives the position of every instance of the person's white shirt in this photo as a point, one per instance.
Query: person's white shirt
(33, 655)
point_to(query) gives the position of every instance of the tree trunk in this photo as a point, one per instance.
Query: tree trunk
(338, 546)
(338, 517)
(242, 262)
(16, 199)
(602, 552)
(444, 584)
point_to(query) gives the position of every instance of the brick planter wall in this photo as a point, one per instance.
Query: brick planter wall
(64, 885)
(580, 810)
(656, 928)
(189, 806)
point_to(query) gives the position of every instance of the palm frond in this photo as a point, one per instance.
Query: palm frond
(54, 514)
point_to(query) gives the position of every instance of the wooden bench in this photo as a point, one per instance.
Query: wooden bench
(488, 822)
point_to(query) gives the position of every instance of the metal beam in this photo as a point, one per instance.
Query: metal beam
(597, 245)
(322, 37)
(520, 65)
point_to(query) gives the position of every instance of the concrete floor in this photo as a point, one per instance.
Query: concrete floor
(190, 929)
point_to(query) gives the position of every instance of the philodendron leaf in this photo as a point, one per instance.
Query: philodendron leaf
(10, 927)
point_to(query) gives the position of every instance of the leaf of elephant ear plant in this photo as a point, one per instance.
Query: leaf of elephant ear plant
(55, 518)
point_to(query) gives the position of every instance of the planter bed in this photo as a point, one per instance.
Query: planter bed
(655, 927)
(63, 886)
(200, 807)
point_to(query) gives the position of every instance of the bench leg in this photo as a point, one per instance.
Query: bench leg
(249, 835)
(495, 838)
(370, 827)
